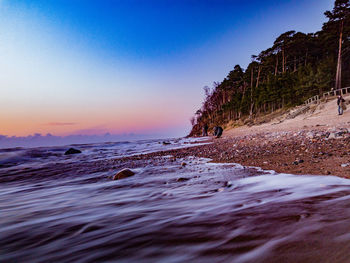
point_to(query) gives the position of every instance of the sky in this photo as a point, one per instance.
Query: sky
(70, 67)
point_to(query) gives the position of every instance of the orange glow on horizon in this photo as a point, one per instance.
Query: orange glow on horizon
(90, 123)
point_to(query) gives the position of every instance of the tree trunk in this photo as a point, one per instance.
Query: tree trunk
(338, 74)
(251, 93)
(258, 77)
(283, 61)
(307, 51)
(241, 108)
(276, 67)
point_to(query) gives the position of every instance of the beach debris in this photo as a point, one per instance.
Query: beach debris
(72, 151)
(183, 164)
(166, 143)
(345, 165)
(125, 173)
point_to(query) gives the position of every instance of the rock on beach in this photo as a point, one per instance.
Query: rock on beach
(125, 173)
(72, 151)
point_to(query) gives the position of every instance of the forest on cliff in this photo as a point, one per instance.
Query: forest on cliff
(296, 67)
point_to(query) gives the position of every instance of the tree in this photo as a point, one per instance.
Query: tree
(338, 18)
(281, 44)
(297, 67)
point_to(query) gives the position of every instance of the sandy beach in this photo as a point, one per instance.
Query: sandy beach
(316, 142)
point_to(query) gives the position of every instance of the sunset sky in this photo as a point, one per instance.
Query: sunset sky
(91, 67)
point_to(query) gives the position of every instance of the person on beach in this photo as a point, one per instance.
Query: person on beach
(341, 104)
(218, 131)
(205, 130)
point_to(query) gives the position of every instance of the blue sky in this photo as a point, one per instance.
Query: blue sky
(129, 66)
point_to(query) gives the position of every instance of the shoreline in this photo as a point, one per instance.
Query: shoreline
(306, 152)
(313, 143)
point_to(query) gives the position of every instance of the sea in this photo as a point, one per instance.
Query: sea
(67, 208)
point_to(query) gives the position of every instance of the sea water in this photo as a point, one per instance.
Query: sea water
(59, 208)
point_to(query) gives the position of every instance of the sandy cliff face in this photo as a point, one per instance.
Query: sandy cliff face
(314, 142)
(324, 115)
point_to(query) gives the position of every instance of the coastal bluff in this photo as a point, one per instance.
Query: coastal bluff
(314, 142)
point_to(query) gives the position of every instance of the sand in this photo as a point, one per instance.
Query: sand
(317, 143)
(325, 115)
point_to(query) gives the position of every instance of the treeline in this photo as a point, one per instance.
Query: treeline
(296, 67)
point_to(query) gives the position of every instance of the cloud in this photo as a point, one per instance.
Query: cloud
(61, 123)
